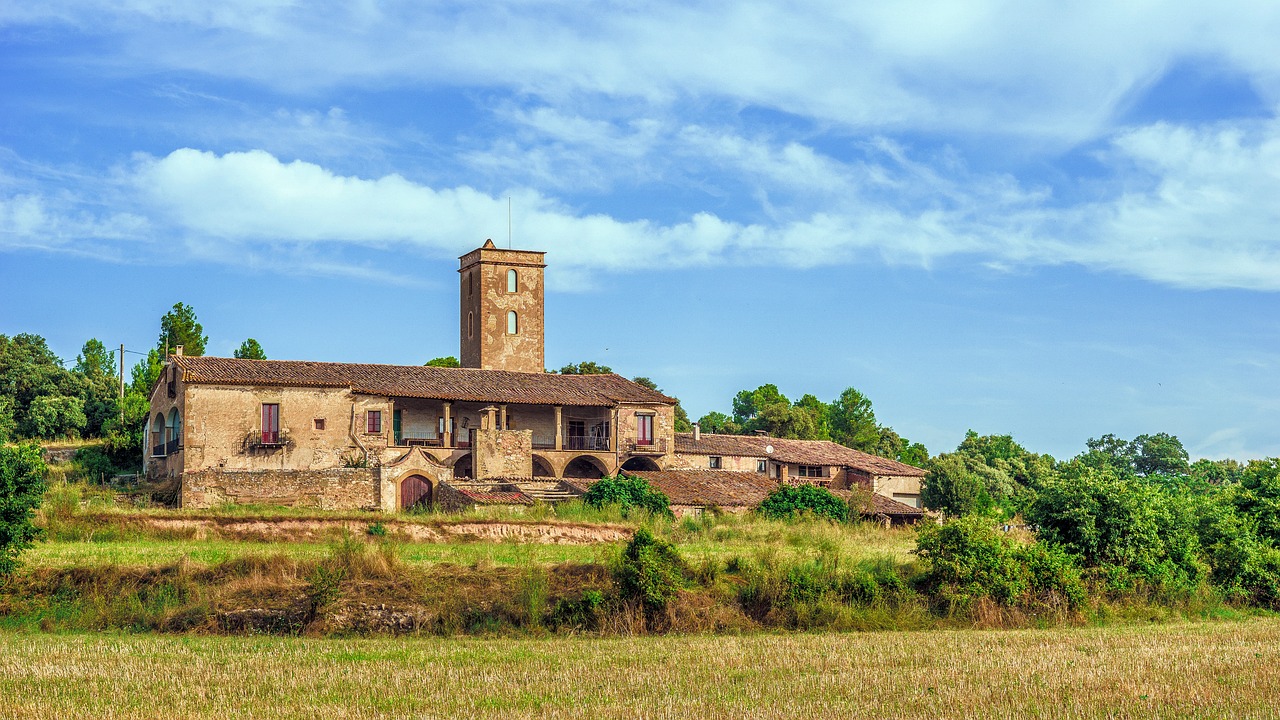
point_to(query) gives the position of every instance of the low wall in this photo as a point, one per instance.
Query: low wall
(329, 489)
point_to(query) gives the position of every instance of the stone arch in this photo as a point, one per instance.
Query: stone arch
(463, 467)
(173, 426)
(415, 491)
(585, 467)
(639, 463)
(157, 434)
(542, 468)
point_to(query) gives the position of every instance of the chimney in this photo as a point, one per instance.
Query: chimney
(177, 350)
(697, 432)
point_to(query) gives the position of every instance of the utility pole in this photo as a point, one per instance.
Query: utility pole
(122, 386)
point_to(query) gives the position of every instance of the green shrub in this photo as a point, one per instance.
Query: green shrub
(21, 492)
(969, 559)
(95, 464)
(627, 492)
(789, 501)
(650, 571)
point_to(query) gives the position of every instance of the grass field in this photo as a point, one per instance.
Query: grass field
(1209, 670)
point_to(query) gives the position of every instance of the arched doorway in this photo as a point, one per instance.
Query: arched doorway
(463, 468)
(415, 491)
(542, 468)
(640, 463)
(584, 467)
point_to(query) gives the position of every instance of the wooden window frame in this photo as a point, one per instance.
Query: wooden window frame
(373, 422)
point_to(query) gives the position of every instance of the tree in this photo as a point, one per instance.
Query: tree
(1159, 454)
(820, 413)
(585, 368)
(53, 416)
(101, 399)
(94, 361)
(179, 327)
(21, 491)
(953, 487)
(627, 492)
(146, 372)
(448, 361)
(32, 376)
(853, 422)
(719, 423)
(248, 350)
(748, 404)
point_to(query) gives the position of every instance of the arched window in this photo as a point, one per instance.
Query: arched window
(513, 325)
(471, 324)
(511, 281)
(157, 435)
(174, 427)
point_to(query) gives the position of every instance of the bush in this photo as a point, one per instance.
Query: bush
(95, 463)
(627, 492)
(788, 501)
(969, 560)
(651, 571)
(21, 491)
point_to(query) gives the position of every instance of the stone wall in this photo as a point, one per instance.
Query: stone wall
(329, 489)
(503, 454)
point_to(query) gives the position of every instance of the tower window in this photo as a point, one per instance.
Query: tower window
(511, 281)
(513, 325)
(471, 324)
(471, 282)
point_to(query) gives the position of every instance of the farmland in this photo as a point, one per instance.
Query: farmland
(1208, 669)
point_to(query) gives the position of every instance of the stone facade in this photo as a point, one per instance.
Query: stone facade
(501, 319)
(332, 489)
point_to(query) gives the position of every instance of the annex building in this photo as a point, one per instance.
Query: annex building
(498, 430)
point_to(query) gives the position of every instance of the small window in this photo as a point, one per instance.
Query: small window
(270, 423)
(375, 421)
(471, 283)
(762, 465)
(319, 423)
(513, 325)
(812, 471)
(715, 462)
(471, 324)
(644, 429)
(511, 281)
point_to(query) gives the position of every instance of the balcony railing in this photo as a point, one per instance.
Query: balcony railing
(271, 438)
(158, 450)
(407, 439)
(586, 442)
(656, 446)
(172, 446)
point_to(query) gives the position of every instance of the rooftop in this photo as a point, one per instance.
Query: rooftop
(454, 384)
(799, 452)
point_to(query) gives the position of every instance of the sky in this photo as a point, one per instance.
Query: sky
(1051, 220)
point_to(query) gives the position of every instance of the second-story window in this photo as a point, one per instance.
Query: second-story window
(513, 325)
(270, 423)
(511, 281)
(375, 421)
(644, 429)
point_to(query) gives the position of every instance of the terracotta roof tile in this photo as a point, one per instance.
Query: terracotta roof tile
(484, 497)
(881, 505)
(722, 488)
(455, 384)
(799, 452)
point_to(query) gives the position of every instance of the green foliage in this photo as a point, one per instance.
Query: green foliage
(248, 350)
(1145, 455)
(7, 424)
(790, 501)
(21, 491)
(376, 530)
(146, 372)
(651, 571)
(448, 361)
(95, 462)
(54, 416)
(748, 404)
(627, 493)
(180, 327)
(1258, 497)
(585, 368)
(969, 559)
(853, 422)
(719, 423)
(953, 487)
(1137, 533)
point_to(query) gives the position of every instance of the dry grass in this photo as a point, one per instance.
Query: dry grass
(1186, 670)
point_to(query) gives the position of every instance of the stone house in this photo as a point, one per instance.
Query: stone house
(819, 462)
(387, 437)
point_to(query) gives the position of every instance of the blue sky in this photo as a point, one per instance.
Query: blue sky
(1045, 219)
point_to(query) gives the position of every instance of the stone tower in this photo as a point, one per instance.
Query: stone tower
(502, 309)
